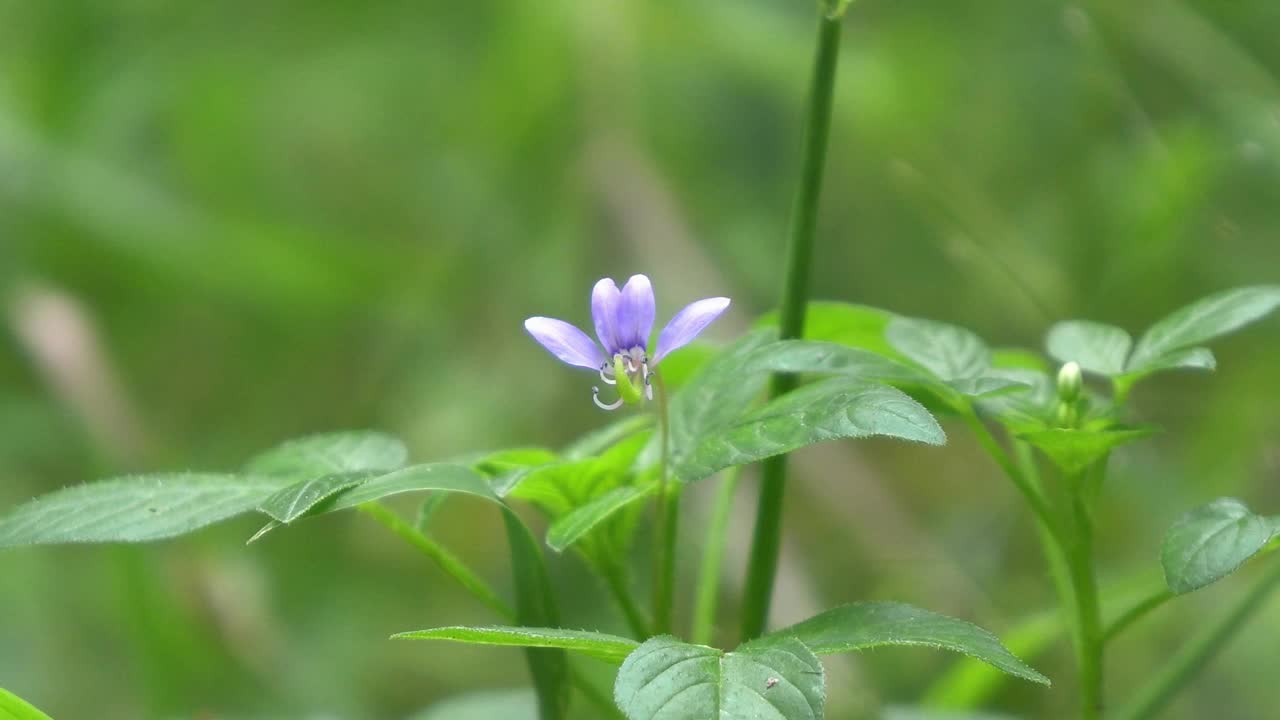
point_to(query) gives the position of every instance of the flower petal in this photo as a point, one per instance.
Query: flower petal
(565, 341)
(635, 313)
(605, 298)
(687, 323)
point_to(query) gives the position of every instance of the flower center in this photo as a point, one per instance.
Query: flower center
(629, 373)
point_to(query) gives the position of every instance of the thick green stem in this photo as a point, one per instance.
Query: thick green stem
(1090, 640)
(708, 594)
(1194, 655)
(766, 540)
(447, 561)
(668, 522)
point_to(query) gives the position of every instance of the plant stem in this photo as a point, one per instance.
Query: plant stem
(1137, 612)
(1194, 655)
(615, 579)
(668, 522)
(708, 594)
(1025, 482)
(447, 561)
(1089, 643)
(804, 214)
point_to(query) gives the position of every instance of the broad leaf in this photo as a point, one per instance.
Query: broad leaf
(1097, 348)
(828, 410)
(330, 454)
(1211, 542)
(294, 501)
(861, 626)
(948, 351)
(582, 520)
(665, 679)
(135, 509)
(521, 704)
(1074, 450)
(13, 707)
(1202, 321)
(598, 645)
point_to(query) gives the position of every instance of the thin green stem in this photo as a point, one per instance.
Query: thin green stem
(1025, 482)
(767, 537)
(708, 593)
(1193, 656)
(615, 579)
(1136, 613)
(1090, 643)
(668, 522)
(447, 561)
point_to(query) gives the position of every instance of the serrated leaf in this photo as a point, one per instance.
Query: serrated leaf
(296, 500)
(828, 410)
(1075, 450)
(519, 704)
(665, 679)
(575, 525)
(13, 707)
(1202, 321)
(948, 351)
(330, 454)
(866, 625)
(1211, 542)
(601, 646)
(1097, 348)
(134, 509)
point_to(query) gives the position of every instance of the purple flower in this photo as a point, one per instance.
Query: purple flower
(623, 320)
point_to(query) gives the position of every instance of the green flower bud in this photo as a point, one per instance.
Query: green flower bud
(1069, 382)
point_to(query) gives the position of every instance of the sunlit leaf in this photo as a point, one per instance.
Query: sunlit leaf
(948, 351)
(866, 625)
(598, 645)
(1211, 542)
(1096, 347)
(1074, 450)
(330, 454)
(666, 679)
(1202, 321)
(13, 707)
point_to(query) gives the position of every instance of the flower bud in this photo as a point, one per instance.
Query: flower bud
(1069, 382)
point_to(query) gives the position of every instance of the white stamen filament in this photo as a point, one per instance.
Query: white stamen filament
(648, 377)
(595, 397)
(606, 378)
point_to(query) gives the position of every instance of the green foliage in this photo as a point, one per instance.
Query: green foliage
(947, 351)
(601, 646)
(667, 679)
(577, 523)
(1200, 322)
(866, 625)
(13, 707)
(1211, 542)
(1074, 450)
(298, 499)
(339, 453)
(1097, 348)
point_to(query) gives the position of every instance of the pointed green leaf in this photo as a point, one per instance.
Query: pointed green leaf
(445, 477)
(294, 501)
(582, 520)
(665, 679)
(1075, 450)
(948, 351)
(520, 704)
(13, 707)
(861, 626)
(134, 509)
(601, 646)
(1202, 321)
(1096, 347)
(331, 454)
(1211, 542)
(828, 410)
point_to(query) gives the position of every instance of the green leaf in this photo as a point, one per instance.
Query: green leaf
(1075, 450)
(601, 439)
(947, 351)
(832, 409)
(1211, 542)
(1018, 358)
(1097, 348)
(843, 323)
(444, 477)
(520, 704)
(576, 524)
(670, 680)
(330, 454)
(13, 707)
(296, 500)
(1202, 321)
(809, 356)
(134, 509)
(987, 385)
(865, 625)
(1192, 358)
(601, 646)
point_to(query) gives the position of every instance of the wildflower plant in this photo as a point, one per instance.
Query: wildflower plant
(810, 372)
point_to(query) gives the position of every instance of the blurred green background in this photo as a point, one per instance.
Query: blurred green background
(226, 224)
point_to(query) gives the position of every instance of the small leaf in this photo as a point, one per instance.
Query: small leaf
(1073, 451)
(601, 646)
(13, 707)
(1202, 321)
(828, 410)
(670, 680)
(445, 477)
(521, 704)
(582, 520)
(1211, 542)
(294, 501)
(865, 625)
(134, 509)
(331, 454)
(1097, 348)
(947, 351)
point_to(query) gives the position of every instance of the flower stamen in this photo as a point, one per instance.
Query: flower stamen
(607, 378)
(595, 397)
